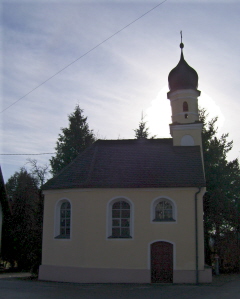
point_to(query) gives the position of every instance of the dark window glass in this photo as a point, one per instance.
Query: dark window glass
(125, 233)
(116, 205)
(164, 211)
(126, 213)
(116, 213)
(125, 205)
(116, 222)
(65, 220)
(115, 232)
(121, 220)
(125, 223)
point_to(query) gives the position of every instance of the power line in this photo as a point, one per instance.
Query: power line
(105, 40)
(27, 154)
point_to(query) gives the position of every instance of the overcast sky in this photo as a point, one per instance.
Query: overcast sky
(120, 79)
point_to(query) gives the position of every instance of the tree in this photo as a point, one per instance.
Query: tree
(142, 130)
(40, 172)
(221, 209)
(23, 229)
(73, 140)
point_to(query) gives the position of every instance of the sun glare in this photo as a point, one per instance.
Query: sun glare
(213, 110)
(158, 115)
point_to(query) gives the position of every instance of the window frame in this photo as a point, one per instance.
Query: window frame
(109, 218)
(155, 202)
(57, 219)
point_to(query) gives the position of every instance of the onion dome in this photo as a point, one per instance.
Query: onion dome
(182, 76)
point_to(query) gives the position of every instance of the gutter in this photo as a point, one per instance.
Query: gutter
(196, 233)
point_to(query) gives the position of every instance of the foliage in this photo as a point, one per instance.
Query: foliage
(22, 230)
(142, 130)
(221, 207)
(73, 140)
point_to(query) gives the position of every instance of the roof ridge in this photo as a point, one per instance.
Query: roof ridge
(101, 141)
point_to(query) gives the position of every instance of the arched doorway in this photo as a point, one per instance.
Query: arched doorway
(161, 262)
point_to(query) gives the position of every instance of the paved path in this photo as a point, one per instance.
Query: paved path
(224, 287)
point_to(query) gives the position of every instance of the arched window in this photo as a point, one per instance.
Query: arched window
(185, 106)
(163, 210)
(120, 219)
(63, 220)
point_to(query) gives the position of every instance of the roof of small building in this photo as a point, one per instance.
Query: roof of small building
(136, 163)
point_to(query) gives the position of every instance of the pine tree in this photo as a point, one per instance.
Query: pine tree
(221, 207)
(142, 131)
(73, 140)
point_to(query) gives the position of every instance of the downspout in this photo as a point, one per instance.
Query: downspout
(196, 233)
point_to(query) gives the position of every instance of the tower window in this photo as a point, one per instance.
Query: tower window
(185, 106)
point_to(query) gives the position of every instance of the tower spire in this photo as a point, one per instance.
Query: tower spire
(181, 44)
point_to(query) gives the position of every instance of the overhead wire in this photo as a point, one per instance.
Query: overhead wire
(92, 49)
(27, 154)
(111, 36)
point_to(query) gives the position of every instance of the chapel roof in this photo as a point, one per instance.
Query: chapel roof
(134, 163)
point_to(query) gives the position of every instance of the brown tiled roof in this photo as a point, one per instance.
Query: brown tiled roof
(137, 163)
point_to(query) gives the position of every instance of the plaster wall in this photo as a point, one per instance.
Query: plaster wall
(179, 131)
(177, 99)
(89, 246)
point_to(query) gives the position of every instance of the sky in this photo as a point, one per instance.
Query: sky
(114, 80)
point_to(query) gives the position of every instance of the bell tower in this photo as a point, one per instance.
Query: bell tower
(186, 129)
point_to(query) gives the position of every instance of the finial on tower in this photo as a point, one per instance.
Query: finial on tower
(182, 76)
(181, 45)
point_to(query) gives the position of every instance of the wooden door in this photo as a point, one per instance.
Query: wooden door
(161, 262)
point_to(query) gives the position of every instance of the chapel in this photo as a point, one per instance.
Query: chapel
(131, 211)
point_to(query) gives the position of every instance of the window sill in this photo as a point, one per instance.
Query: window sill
(62, 237)
(163, 220)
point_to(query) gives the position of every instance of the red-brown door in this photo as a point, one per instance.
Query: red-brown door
(161, 262)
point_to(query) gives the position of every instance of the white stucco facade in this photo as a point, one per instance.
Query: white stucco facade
(90, 256)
